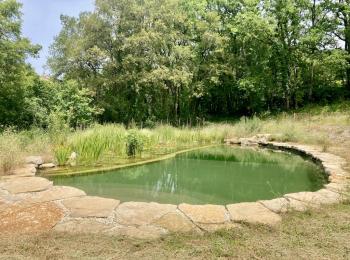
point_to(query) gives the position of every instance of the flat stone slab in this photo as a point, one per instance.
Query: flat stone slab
(323, 196)
(142, 213)
(140, 232)
(205, 214)
(52, 194)
(90, 206)
(24, 218)
(279, 205)
(37, 160)
(338, 187)
(25, 184)
(47, 166)
(27, 170)
(253, 212)
(82, 226)
(175, 222)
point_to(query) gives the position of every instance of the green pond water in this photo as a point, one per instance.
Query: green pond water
(217, 175)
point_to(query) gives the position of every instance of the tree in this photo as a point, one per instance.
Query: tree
(15, 74)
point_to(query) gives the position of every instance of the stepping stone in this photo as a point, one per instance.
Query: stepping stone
(141, 232)
(175, 222)
(82, 226)
(37, 160)
(54, 193)
(205, 214)
(90, 206)
(279, 205)
(47, 166)
(253, 212)
(25, 184)
(29, 218)
(142, 213)
(28, 170)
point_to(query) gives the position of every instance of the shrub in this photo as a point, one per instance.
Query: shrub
(134, 143)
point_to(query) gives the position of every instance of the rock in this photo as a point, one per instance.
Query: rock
(175, 222)
(216, 227)
(47, 166)
(141, 232)
(54, 193)
(298, 205)
(279, 205)
(314, 199)
(253, 212)
(25, 184)
(37, 160)
(90, 206)
(24, 218)
(82, 226)
(142, 213)
(232, 141)
(248, 142)
(328, 197)
(73, 156)
(205, 214)
(27, 171)
(342, 188)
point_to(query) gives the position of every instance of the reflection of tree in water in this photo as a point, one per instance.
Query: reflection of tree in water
(252, 156)
(134, 173)
(167, 181)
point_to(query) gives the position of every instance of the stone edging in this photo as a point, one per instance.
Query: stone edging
(33, 204)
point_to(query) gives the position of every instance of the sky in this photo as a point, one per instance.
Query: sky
(41, 23)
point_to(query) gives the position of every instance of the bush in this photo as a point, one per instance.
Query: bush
(134, 143)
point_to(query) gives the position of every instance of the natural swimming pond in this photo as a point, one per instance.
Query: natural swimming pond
(216, 175)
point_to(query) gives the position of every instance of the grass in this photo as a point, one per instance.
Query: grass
(316, 234)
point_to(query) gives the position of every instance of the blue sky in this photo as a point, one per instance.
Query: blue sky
(41, 22)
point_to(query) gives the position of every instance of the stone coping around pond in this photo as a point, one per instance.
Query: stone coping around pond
(32, 204)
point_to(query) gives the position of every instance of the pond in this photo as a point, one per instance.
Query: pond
(216, 175)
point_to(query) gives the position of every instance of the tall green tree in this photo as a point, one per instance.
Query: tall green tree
(15, 74)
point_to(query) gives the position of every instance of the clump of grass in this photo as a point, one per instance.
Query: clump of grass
(62, 154)
(11, 152)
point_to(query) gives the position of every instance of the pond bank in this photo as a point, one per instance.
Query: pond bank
(39, 206)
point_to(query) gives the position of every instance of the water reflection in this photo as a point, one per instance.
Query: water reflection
(216, 175)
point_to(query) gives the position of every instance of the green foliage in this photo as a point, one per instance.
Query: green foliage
(177, 61)
(62, 154)
(15, 75)
(134, 143)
